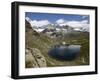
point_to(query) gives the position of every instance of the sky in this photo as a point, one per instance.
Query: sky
(40, 19)
(53, 17)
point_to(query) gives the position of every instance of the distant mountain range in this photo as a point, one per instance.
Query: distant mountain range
(57, 27)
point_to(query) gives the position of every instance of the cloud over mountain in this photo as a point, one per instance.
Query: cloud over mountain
(83, 17)
(73, 23)
(83, 24)
(39, 23)
(60, 21)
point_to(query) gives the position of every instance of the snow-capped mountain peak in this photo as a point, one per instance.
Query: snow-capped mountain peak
(40, 25)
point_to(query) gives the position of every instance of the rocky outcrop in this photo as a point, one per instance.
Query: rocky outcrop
(30, 29)
(34, 58)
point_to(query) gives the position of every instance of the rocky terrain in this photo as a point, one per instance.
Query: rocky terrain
(34, 58)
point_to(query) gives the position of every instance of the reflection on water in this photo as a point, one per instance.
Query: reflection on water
(65, 52)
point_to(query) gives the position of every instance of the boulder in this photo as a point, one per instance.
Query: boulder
(34, 58)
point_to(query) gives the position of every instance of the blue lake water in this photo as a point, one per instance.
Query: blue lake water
(69, 52)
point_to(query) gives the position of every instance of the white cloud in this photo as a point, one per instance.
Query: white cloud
(39, 23)
(28, 19)
(75, 24)
(83, 17)
(79, 24)
(72, 23)
(84, 21)
(60, 21)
